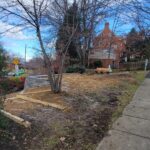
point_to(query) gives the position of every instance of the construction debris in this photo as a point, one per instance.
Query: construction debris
(16, 119)
(42, 91)
(40, 102)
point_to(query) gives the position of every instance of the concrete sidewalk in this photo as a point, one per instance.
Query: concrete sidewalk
(132, 130)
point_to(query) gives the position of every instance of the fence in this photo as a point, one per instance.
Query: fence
(140, 65)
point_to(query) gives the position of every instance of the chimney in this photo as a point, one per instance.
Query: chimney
(107, 25)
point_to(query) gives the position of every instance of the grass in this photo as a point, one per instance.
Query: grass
(129, 88)
(96, 102)
(4, 122)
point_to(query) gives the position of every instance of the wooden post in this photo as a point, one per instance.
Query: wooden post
(16, 119)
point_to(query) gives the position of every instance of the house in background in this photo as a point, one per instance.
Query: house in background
(107, 48)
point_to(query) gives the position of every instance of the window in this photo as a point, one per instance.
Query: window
(115, 46)
(100, 43)
(92, 52)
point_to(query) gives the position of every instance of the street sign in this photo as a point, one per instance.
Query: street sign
(16, 61)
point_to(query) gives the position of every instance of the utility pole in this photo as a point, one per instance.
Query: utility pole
(25, 54)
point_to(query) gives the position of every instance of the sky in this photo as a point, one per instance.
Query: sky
(15, 40)
(118, 30)
(16, 46)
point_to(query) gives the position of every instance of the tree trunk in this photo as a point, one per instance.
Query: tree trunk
(51, 76)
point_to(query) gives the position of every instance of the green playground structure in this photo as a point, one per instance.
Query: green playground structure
(20, 72)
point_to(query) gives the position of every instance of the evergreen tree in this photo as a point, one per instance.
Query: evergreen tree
(143, 46)
(71, 20)
(2, 60)
(132, 38)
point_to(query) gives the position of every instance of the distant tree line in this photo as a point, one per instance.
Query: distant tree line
(73, 26)
(138, 44)
(2, 60)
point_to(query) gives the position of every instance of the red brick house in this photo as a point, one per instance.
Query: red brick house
(108, 48)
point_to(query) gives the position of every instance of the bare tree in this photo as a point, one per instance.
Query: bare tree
(33, 15)
(44, 18)
(92, 13)
(136, 12)
(142, 18)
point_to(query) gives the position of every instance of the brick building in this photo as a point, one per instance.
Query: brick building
(108, 48)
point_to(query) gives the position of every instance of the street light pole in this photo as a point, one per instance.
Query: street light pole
(25, 53)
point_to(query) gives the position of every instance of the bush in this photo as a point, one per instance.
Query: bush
(70, 69)
(81, 69)
(95, 64)
(4, 84)
(11, 84)
(73, 69)
(3, 73)
(3, 120)
(2, 60)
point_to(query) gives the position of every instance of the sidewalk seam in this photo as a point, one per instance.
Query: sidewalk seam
(132, 134)
(135, 117)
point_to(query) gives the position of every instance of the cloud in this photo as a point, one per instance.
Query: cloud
(9, 44)
(116, 3)
(13, 32)
(52, 43)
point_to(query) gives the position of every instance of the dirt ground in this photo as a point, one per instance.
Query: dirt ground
(92, 101)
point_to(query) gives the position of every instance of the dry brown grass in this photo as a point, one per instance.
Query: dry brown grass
(18, 106)
(95, 100)
(76, 83)
(72, 84)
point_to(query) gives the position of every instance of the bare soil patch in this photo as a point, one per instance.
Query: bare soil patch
(94, 101)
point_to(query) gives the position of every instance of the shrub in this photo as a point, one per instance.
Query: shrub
(3, 120)
(11, 84)
(17, 82)
(81, 69)
(95, 64)
(75, 69)
(4, 84)
(2, 61)
(70, 69)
